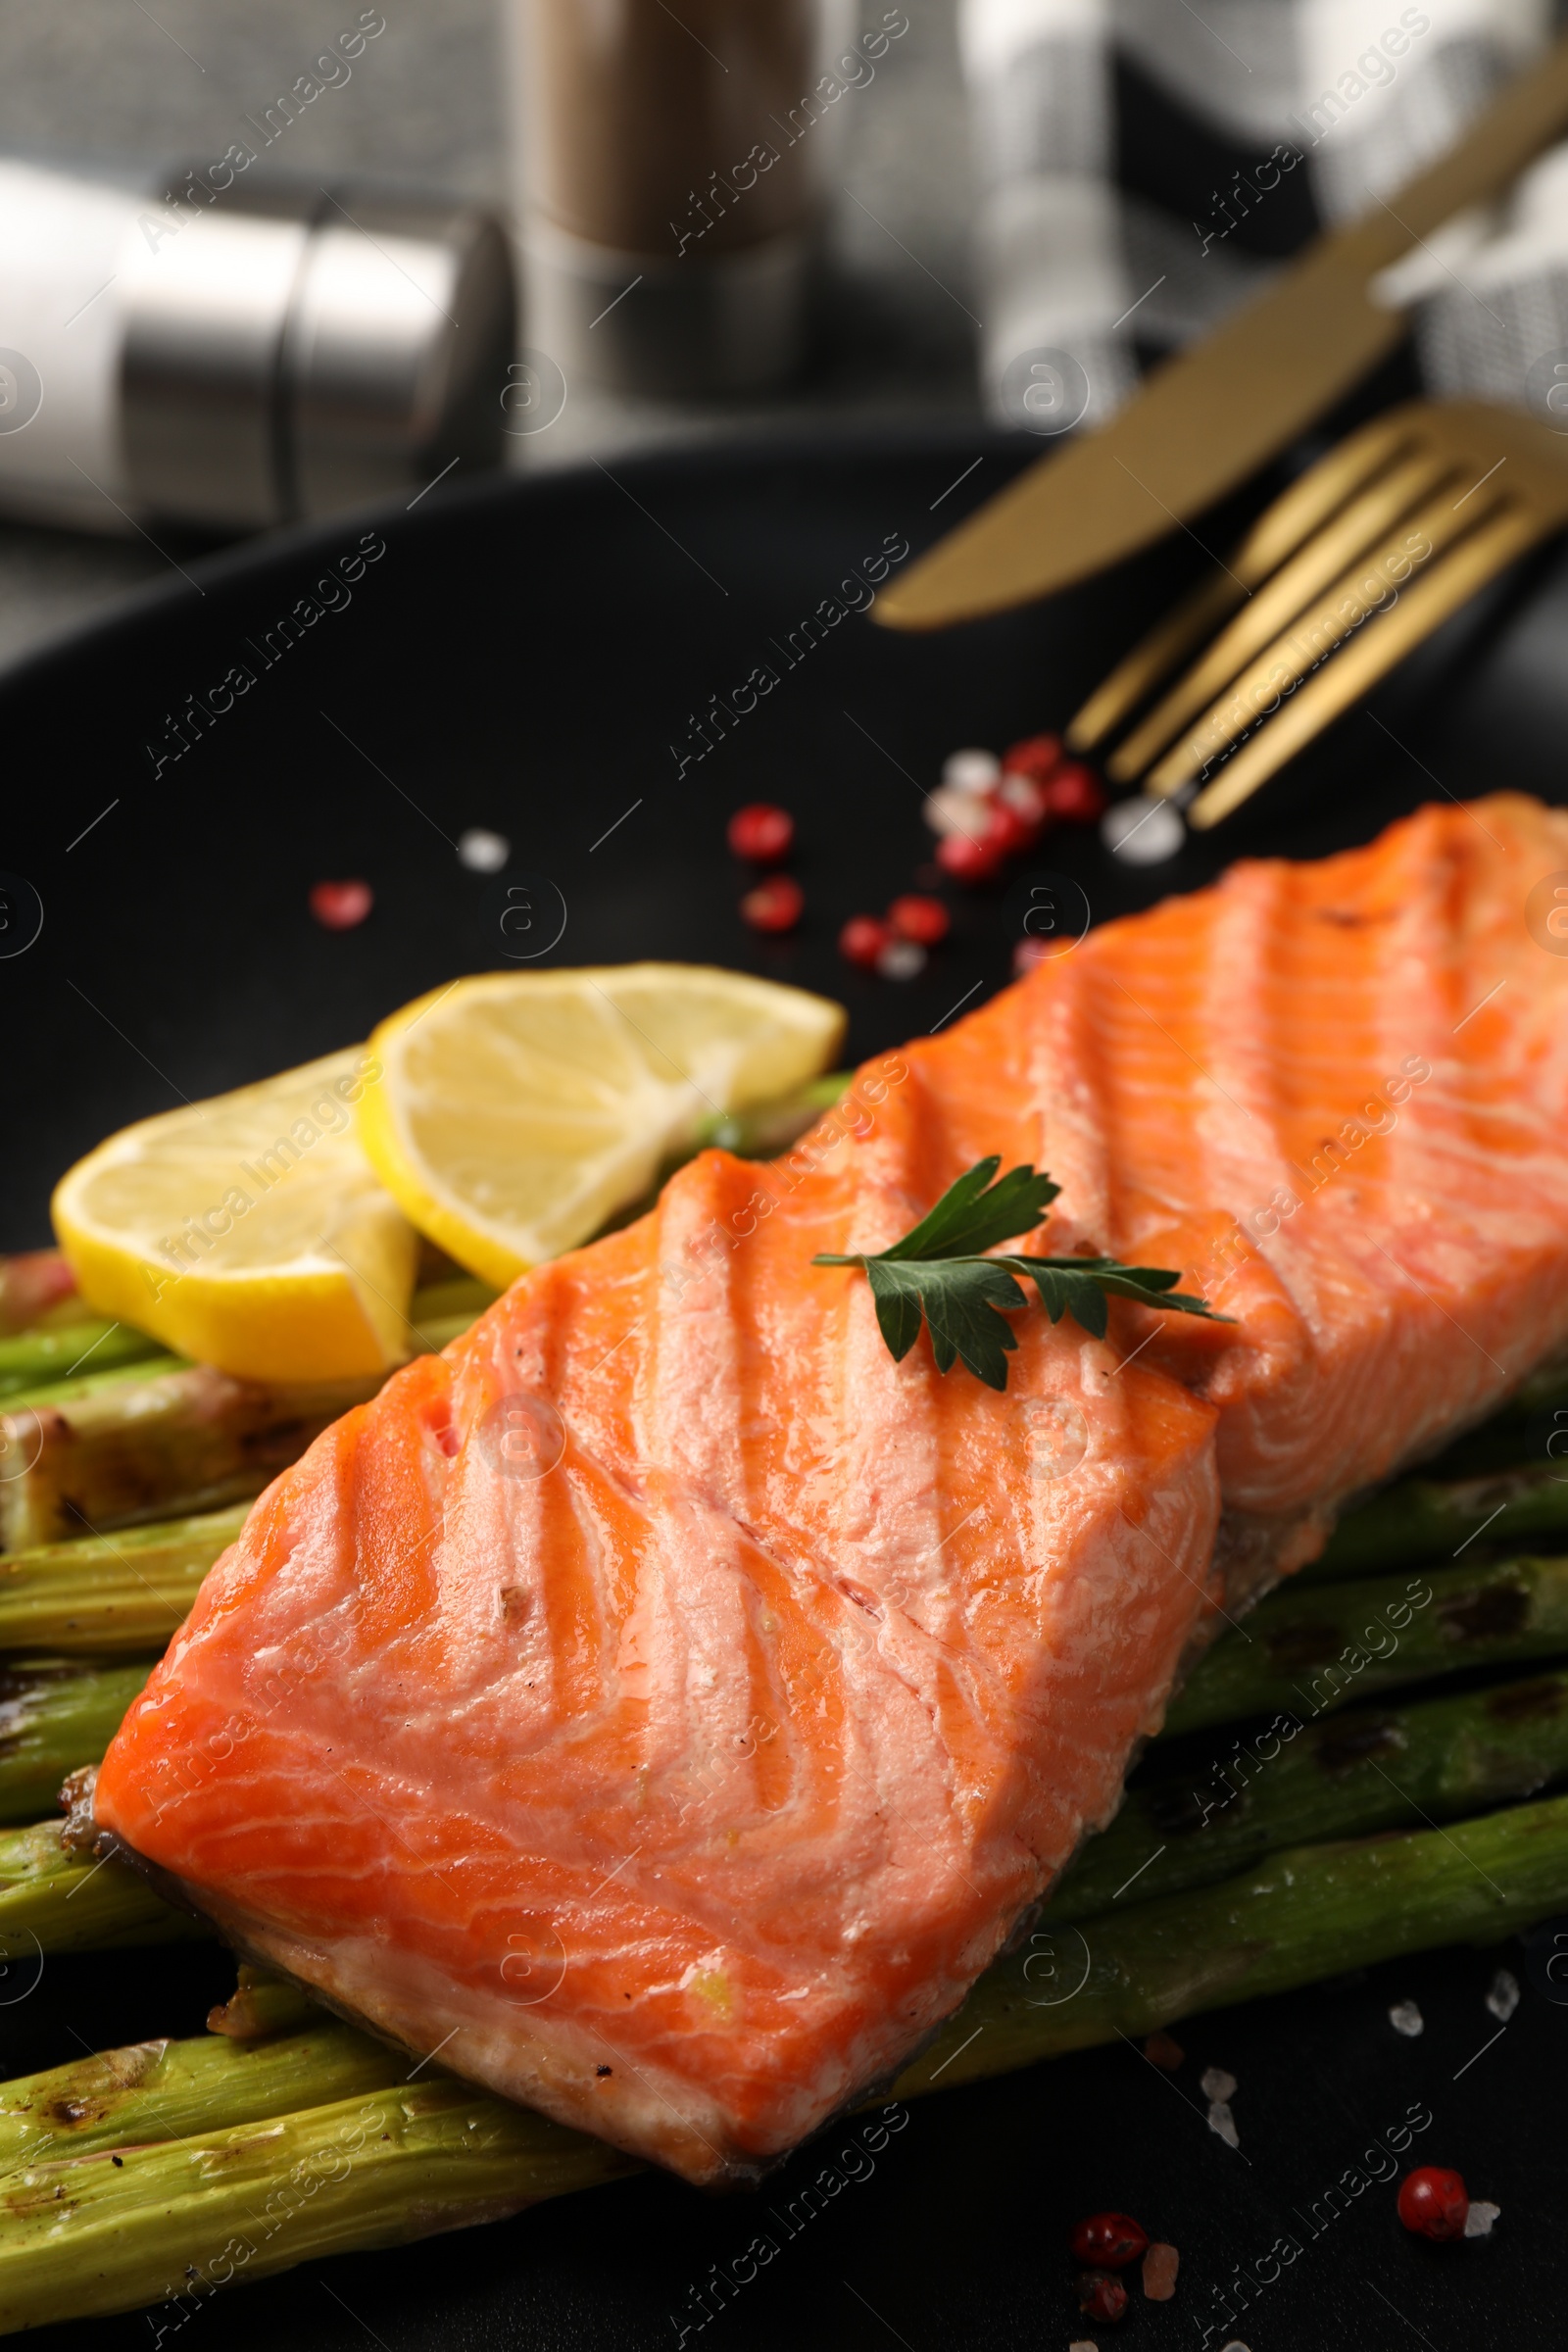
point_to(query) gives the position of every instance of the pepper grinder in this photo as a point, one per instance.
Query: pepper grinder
(672, 169)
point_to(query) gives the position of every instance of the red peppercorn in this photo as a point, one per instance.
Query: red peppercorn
(775, 904)
(760, 833)
(1076, 795)
(922, 919)
(862, 940)
(1109, 2242)
(1036, 755)
(967, 861)
(339, 905)
(1434, 2202)
(1101, 2297)
(1006, 832)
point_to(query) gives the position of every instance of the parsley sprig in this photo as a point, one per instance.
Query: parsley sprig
(942, 1270)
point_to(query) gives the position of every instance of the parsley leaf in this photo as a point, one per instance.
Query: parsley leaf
(941, 1272)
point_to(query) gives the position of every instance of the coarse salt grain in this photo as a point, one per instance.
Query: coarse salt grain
(1406, 2018)
(1083, 2343)
(1221, 2120)
(1479, 2217)
(1217, 2084)
(901, 959)
(1160, 2265)
(1504, 1998)
(1142, 831)
(949, 810)
(971, 770)
(483, 852)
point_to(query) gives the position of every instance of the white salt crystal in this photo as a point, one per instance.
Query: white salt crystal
(1221, 2120)
(482, 852)
(901, 959)
(1142, 831)
(1479, 2217)
(1406, 2018)
(971, 770)
(1504, 1998)
(1083, 2343)
(949, 810)
(1217, 2084)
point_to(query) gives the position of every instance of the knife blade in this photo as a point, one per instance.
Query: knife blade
(1211, 415)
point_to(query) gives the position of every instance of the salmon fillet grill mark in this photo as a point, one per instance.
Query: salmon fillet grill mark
(683, 1790)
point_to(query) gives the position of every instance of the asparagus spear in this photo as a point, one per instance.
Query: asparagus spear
(443, 1310)
(33, 1359)
(89, 2236)
(1431, 1519)
(162, 2090)
(90, 1380)
(1371, 1768)
(53, 1719)
(52, 1900)
(161, 1438)
(104, 1594)
(84, 2237)
(180, 1442)
(1305, 1651)
(1308, 1912)
(771, 1127)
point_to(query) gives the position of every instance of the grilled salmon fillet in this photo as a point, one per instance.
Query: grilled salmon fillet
(666, 1704)
(1337, 1096)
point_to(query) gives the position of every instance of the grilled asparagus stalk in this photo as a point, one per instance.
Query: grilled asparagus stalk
(1307, 1912)
(1435, 1519)
(54, 1900)
(32, 1359)
(1231, 1800)
(183, 1440)
(101, 1594)
(158, 2090)
(83, 2235)
(1309, 1649)
(159, 1439)
(55, 1717)
(181, 2219)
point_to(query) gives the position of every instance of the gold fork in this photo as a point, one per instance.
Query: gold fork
(1366, 555)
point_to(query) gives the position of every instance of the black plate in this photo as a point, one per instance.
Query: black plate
(524, 658)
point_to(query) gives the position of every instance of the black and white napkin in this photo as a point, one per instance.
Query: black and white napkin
(1145, 164)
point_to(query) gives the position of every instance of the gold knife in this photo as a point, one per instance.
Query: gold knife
(1211, 415)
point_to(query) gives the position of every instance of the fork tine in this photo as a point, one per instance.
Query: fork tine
(1313, 635)
(1509, 532)
(1343, 540)
(1276, 534)
(1203, 608)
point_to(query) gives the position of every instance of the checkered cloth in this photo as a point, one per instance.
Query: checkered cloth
(1145, 165)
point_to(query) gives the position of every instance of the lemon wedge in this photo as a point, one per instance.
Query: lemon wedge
(516, 1112)
(249, 1231)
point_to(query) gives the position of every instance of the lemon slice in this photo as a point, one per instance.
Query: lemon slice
(249, 1231)
(515, 1111)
